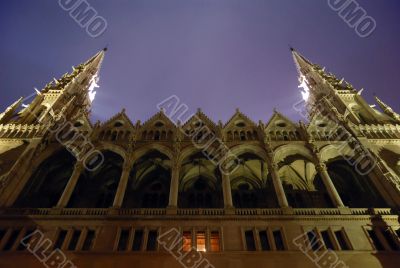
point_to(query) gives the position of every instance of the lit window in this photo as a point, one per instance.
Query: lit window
(187, 241)
(201, 241)
(214, 241)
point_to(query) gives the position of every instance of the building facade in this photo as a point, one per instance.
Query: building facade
(198, 193)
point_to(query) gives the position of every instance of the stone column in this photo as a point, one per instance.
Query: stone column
(326, 179)
(227, 191)
(280, 192)
(123, 182)
(174, 186)
(66, 195)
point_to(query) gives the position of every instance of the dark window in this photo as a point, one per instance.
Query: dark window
(340, 236)
(20, 245)
(60, 239)
(398, 233)
(11, 240)
(250, 243)
(89, 240)
(2, 233)
(264, 240)
(137, 240)
(214, 241)
(123, 240)
(327, 240)
(390, 239)
(152, 241)
(74, 240)
(278, 240)
(314, 242)
(375, 240)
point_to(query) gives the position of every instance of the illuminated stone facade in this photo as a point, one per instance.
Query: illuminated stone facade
(105, 193)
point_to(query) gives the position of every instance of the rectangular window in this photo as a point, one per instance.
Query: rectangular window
(375, 240)
(20, 245)
(74, 240)
(123, 240)
(341, 238)
(314, 241)
(137, 240)
(201, 241)
(327, 240)
(264, 240)
(214, 241)
(11, 240)
(187, 241)
(89, 240)
(278, 240)
(2, 234)
(250, 243)
(391, 240)
(152, 241)
(60, 239)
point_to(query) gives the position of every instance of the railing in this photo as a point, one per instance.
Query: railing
(192, 211)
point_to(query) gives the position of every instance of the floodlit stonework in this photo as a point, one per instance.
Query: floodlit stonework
(325, 193)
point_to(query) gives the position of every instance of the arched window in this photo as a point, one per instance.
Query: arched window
(149, 181)
(96, 189)
(46, 185)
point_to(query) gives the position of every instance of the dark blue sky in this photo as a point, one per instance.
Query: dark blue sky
(213, 54)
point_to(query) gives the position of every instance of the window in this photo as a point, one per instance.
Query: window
(390, 239)
(214, 241)
(123, 240)
(60, 239)
(73, 243)
(2, 233)
(201, 241)
(250, 243)
(152, 241)
(187, 241)
(21, 246)
(341, 238)
(264, 240)
(89, 240)
(12, 239)
(137, 240)
(375, 240)
(327, 240)
(278, 240)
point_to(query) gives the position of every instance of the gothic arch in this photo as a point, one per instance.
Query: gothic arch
(336, 151)
(46, 184)
(284, 151)
(97, 188)
(149, 181)
(200, 183)
(137, 154)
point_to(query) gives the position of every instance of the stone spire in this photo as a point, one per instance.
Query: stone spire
(10, 111)
(388, 110)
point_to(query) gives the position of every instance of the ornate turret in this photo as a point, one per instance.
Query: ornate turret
(388, 110)
(10, 111)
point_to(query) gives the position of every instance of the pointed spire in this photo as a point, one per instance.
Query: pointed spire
(9, 112)
(387, 109)
(302, 64)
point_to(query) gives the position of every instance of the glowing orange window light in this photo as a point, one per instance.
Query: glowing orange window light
(214, 241)
(201, 241)
(187, 241)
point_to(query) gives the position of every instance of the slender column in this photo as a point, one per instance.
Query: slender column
(280, 192)
(227, 191)
(66, 195)
(334, 195)
(123, 182)
(174, 187)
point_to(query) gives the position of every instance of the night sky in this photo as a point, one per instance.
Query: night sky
(213, 54)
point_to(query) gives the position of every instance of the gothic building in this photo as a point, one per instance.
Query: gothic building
(325, 193)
